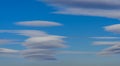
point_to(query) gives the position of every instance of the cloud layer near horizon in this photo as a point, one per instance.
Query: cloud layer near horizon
(115, 45)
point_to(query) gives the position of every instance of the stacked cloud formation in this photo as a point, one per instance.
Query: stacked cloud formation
(43, 47)
(39, 45)
(115, 49)
(115, 46)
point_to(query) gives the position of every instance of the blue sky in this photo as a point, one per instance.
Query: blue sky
(67, 33)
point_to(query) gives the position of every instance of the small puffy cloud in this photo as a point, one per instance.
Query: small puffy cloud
(113, 28)
(45, 42)
(103, 8)
(38, 23)
(29, 33)
(105, 37)
(106, 43)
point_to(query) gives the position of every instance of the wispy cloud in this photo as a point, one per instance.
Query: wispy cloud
(115, 48)
(105, 38)
(103, 8)
(111, 51)
(28, 33)
(106, 43)
(8, 41)
(4, 51)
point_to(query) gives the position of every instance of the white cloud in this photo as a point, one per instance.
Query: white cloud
(45, 42)
(29, 33)
(38, 40)
(106, 43)
(103, 8)
(113, 28)
(111, 51)
(105, 37)
(7, 51)
(8, 41)
(43, 48)
(38, 23)
(115, 45)
(115, 49)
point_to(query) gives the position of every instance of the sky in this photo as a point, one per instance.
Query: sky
(59, 32)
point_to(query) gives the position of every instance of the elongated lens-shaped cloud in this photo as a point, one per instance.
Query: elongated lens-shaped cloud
(102, 8)
(39, 54)
(113, 28)
(28, 33)
(45, 42)
(38, 23)
(4, 51)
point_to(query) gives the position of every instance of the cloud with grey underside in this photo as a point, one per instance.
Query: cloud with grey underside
(102, 8)
(40, 45)
(114, 45)
(38, 42)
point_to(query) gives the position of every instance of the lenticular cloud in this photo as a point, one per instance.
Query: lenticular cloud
(102, 8)
(39, 45)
